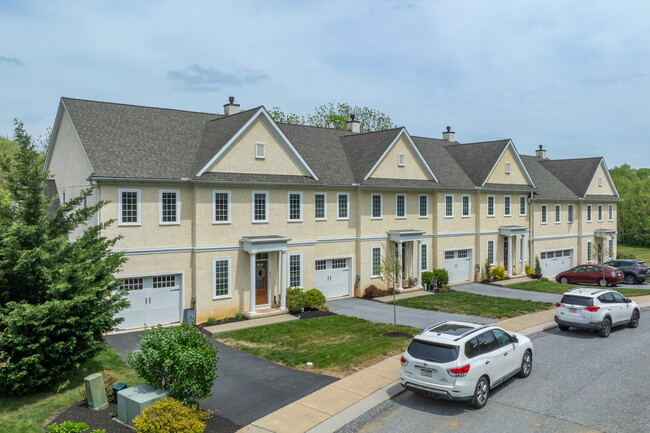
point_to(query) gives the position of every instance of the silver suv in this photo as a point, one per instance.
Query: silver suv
(464, 361)
(595, 309)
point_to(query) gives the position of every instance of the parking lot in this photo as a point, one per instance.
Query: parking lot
(580, 383)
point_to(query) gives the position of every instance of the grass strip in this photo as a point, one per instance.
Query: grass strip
(558, 288)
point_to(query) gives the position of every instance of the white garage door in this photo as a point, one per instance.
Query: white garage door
(333, 277)
(154, 301)
(458, 264)
(554, 262)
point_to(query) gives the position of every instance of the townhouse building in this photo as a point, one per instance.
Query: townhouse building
(222, 212)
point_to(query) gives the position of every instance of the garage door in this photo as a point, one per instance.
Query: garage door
(154, 301)
(458, 264)
(554, 262)
(333, 277)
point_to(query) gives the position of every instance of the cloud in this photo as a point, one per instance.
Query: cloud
(196, 78)
(12, 60)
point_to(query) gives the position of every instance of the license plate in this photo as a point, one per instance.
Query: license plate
(426, 372)
(572, 310)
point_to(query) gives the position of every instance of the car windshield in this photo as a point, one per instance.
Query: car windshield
(577, 300)
(433, 352)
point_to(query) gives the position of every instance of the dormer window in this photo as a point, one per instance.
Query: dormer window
(260, 151)
(508, 167)
(401, 160)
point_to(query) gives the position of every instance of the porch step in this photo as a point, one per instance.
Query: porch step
(512, 280)
(264, 312)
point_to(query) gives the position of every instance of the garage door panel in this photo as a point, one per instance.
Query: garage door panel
(150, 307)
(458, 265)
(554, 262)
(334, 280)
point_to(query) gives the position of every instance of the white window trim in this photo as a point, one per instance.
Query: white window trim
(525, 205)
(569, 217)
(508, 167)
(160, 207)
(119, 206)
(214, 213)
(266, 220)
(426, 206)
(214, 277)
(63, 198)
(487, 251)
(381, 255)
(610, 212)
(289, 269)
(324, 218)
(289, 193)
(543, 214)
(590, 249)
(259, 155)
(338, 215)
(469, 206)
(444, 203)
(424, 247)
(494, 206)
(509, 198)
(401, 159)
(601, 213)
(381, 206)
(405, 213)
(590, 212)
(557, 217)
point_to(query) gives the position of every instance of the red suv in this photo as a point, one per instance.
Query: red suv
(591, 274)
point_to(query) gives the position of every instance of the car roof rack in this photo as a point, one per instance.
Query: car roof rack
(433, 326)
(470, 331)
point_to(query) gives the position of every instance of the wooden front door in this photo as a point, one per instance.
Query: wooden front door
(505, 254)
(261, 279)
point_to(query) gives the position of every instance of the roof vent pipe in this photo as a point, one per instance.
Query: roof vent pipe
(353, 125)
(540, 153)
(449, 135)
(231, 107)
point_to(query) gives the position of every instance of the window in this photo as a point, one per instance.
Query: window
(376, 206)
(320, 205)
(544, 214)
(376, 253)
(260, 206)
(588, 213)
(590, 251)
(506, 205)
(522, 205)
(220, 207)
(221, 278)
(600, 212)
(466, 206)
(423, 201)
(400, 205)
(321, 265)
(168, 209)
(449, 255)
(508, 167)
(128, 206)
(600, 181)
(260, 150)
(462, 254)
(610, 248)
(164, 281)
(424, 259)
(490, 205)
(558, 215)
(62, 196)
(342, 206)
(339, 263)
(401, 160)
(131, 284)
(569, 213)
(490, 252)
(295, 270)
(610, 212)
(294, 206)
(449, 206)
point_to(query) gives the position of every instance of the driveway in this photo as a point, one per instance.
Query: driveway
(248, 387)
(502, 292)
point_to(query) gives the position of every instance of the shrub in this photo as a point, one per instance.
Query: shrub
(427, 276)
(499, 273)
(529, 271)
(71, 427)
(238, 316)
(109, 382)
(212, 321)
(545, 279)
(169, 416)
(372, 291)
(179, 359)
(296, 299)
(225, 319)
(442, 276)
(538, 266)
(488, 270)
(315, 299)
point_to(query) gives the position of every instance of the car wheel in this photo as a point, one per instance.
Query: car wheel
(526, 364)
(563, 328)
(602, 282)
(606, 328)
(630, 279)
(481, 393)
(634, 321)
(564, 280)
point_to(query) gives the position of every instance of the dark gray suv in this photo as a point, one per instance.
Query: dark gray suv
(635, 271)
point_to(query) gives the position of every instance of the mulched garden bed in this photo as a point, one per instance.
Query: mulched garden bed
(311, 314)
(97, 419)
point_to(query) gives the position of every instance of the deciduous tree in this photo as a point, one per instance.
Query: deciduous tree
(336, 116)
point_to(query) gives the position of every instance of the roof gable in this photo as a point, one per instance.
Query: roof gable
(401, 160)
(509, 169)
(65, 137)
(601, 182)
(576, 174)
(477, 160)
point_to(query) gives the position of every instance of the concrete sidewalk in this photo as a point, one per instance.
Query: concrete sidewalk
(341, 402)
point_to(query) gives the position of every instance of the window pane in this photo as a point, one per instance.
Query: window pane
(320, 205)
(221, 278)
(294, 271)
(321, 265)
(401, 211)
(339, 264)
(449, 205)
(168, 207)
(131, 284)
(221, 206)
(376, 261)
(490, 204)
(260, 207)
(490, 251)
(164, 281)
(506, 205)
(522, 205)
(557, 213)
(294, 207)
(376, 206)
(129, 206)
(423, 205)
(343, 206)
(423, 257)
(544, 213)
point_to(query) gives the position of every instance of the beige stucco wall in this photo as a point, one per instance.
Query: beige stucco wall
(516, 175)
(389, 169)
(606, 188)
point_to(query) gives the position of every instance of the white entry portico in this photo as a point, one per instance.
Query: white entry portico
(509, 234)
(399, 238)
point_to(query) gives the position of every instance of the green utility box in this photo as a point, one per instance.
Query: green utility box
(117, 388)
(132, 401)
(95, 392)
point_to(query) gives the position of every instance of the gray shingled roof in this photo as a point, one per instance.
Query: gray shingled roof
(364, 150)
(548, 186)
(574, 173)
(443, 165)
(477, 159)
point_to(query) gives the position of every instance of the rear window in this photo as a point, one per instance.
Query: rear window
(577, 300)
(643, 264)
(433, 352)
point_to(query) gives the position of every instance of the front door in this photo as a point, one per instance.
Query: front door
(261, 288)
(505, 254)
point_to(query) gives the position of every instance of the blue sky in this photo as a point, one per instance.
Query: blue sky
(571, 76)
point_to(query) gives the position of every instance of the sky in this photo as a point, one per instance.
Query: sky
(571, 76)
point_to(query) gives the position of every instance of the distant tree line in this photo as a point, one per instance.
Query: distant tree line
(634, 211)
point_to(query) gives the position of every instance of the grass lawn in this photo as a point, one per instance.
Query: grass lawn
(335, 345)
(28, 413)
(641, 253)
(474, 305)
(557, 288)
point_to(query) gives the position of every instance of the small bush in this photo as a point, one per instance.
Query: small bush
(225, 319)
(442, 277)
(529, 271)
(488, 270)
(71, 427)
(545, 279)
(372, 291)
(169, 416)
(212, 321)
(296, 299)
(110, 379)
(238, 316)
(538, 266)
(315, 299)
(499, 273)
(427, 276)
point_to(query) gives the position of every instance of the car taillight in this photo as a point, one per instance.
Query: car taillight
(403, 360)
(460, 371)
(593, 308)
(558, 304)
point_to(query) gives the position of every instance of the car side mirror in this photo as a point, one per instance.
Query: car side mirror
(514, 339)
(627, 301)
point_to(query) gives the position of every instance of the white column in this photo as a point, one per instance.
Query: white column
(399, 258)
(523, 254)
(509, 270)
(419, 259)
(251, 272)
(283, 280)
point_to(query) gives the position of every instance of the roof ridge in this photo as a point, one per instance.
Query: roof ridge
(478, 142)
(570, 159)
(230, 116)
(142, 106)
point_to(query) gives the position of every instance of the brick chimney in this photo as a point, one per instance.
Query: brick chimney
(541, 153)
(231, 107)
(353, 125)
(449, 135)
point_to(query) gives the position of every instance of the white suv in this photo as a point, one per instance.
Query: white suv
(463, 361)
(595, 309)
